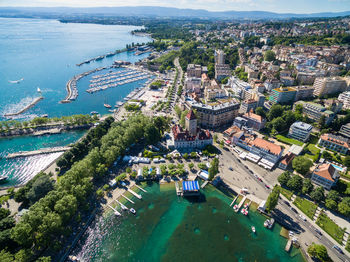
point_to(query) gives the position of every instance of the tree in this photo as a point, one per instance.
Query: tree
(307, 186)
(331, 204)
(214, 168)
(295, 183)
(4, 213)
(269, 56)
(284, 178)
(152, 134)
(260, 111)
(279, 124)
(6, 256)
(275, 111)
(185, 156)
(318, 194)
(191, 166)
(344, 206)
(319, 252)
(302, 164)
(40, 188)
(272, 200)
(347, 161)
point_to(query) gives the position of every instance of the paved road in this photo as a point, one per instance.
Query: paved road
(243, 175)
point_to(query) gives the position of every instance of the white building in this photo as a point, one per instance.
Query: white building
(345, 99)
(300, 131)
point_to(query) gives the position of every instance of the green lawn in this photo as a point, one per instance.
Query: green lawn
(287, 193)
(289, 141)
(330, 227)
(306, 206)
(312, 152)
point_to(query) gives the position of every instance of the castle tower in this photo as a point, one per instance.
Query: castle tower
(191, 123)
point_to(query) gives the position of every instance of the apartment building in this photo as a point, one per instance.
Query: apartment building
(315, 111)
(335, 143)
(345, 130)
(300, 131)
(216, 114)
(329, 85)
(194, 71)
(304, 92)
(283, 95)
(345, 99)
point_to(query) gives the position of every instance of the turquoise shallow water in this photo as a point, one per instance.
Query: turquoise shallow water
(45, 53)
(20, 170)
(168, 228)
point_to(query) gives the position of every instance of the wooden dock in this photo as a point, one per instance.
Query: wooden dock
(134, 193)
(242, 202)
(178, 189)
(234, 200)
(128, 199)
(38, 152)
(141, 188)
(288, 246)
(115, 210)
(121, 205)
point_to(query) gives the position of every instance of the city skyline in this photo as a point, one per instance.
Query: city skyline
(282, 6)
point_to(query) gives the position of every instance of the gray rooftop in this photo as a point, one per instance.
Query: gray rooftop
(302, 126)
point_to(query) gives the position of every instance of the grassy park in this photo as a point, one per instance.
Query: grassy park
(289, 141)
(330, 227)
(306, 206)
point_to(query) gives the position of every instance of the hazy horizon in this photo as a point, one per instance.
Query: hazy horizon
(278, 6)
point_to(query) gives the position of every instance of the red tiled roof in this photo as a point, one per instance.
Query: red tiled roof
(180, 134)
(287, 159)
(191, 115)
(262, 143)
(256, 117)
(326, 171)
(334, 140)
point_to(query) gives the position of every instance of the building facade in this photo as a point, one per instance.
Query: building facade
(283, 95)
(335, 143)
(325, 175)
(300, 131)
(329, 85)
(345, 130)
(315, 111)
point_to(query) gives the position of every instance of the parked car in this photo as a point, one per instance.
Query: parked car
(230, 168)
(318, 232)
(286, 202)
(338, 249)
(267, 186)
(294, 210)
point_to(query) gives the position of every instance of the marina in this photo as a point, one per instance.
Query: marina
(100, 57)
(71, 86)
(115, 79)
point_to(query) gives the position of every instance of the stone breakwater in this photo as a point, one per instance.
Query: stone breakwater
(33, 103)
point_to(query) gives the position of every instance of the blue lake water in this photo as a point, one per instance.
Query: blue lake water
(45, 53)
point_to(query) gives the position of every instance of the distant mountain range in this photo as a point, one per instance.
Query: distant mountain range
(156, 11)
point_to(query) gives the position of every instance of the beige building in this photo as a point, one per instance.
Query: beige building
(217, 115)
(329, 85)
(194, 71)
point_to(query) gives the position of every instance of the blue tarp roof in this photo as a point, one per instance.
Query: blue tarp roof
(190, 185)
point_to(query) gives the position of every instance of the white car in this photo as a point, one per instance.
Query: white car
(302, 217)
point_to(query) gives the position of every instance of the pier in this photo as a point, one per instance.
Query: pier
(115, 210)
(141, 188)
(288, 246)
(97, 58)
(134, 193)
(241, 203)
(38, 152)
(121, 205)
(128, 199)
(204, 184)
(33, 103)
(234, 200)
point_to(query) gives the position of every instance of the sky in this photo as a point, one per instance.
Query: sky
(280, 6)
